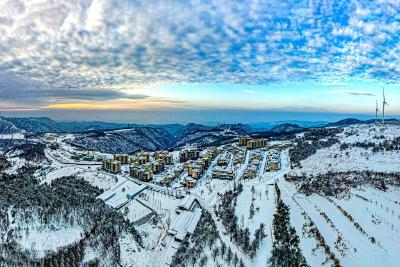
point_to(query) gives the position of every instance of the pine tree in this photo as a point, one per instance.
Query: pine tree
(235, 259)
(229, 256)
(285, 250)
(251, 211)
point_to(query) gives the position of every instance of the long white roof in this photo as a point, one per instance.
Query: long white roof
(185, 223)
(187, 202)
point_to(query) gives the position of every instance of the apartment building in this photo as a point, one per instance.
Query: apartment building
(189, 154)
(111, 165)
(256, 143)
(123, 158)
(142, 173)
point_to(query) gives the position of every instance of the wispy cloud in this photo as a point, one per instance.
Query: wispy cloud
(353, 92)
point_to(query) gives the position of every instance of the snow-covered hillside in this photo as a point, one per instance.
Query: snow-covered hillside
(124, 141)
(334, 192)
(9, 129)
(360, 148)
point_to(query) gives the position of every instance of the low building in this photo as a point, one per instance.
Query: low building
(211, 153)
(223, 173)
(168, 159)
(88, 157)
(159, 154)
(273, 166)
(251, 172)
(188, 203)
(195, 168)
(189, 183)
(185, 224)
(206, 161)
(238, 159)
(111, 165)
(196, 173)
(76, 157)
(222, 162)
(140, 158)
(167, 180)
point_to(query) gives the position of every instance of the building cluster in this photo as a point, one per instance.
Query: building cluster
(141, 166)
(238, 153)
(254, 165)
(196, 168)
(252, 143)
(144, 167)
(273, 161)
(224, 168)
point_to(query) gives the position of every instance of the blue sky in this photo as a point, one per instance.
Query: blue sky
(143, 58)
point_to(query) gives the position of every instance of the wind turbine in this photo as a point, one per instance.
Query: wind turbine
(384, 103)
(376, 111)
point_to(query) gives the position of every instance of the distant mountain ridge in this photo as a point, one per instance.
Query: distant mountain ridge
(286, 127)
(128, 138)
(301, 123)
(352, 121)
(47, 125)
(151, 138)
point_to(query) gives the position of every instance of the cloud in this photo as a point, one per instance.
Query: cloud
(124, 44)
(17, 90)
(353, 92)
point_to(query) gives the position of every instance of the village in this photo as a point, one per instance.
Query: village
(170, 184)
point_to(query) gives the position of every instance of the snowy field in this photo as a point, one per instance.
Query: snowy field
(43, 240)
(361, 230)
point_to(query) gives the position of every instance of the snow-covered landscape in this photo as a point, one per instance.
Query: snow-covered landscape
(336, 191)
(199, 133)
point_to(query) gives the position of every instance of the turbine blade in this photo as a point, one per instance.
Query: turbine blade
(383, 90)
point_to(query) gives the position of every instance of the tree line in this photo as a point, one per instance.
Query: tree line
(286, 251)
